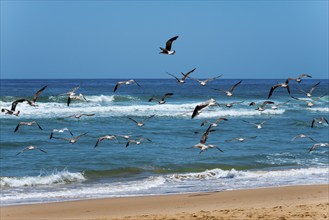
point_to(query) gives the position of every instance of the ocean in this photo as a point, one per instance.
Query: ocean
(166, 163)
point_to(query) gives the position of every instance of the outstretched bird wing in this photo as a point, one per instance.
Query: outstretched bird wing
(233, 87)
(169, 43)
(188, 73)
(35, 97)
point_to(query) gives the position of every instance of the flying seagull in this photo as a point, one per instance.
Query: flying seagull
(318, 145)
(162, 100)
(140, 123)
(240, 139)
(282, 85)
(80, 115)
(302, 136)
(168, 50)
(258, 125)
(276, 106)
(320, 121)
(185, 75)
(128, 82)
(31, 148)
(137, 141)
(261, 107)
(230, 104)
(299, 78)
(105, 137)
(215, 123)
(199, 107)
(71, 140)
(72, 92)
(59, 131)
(28, 124)
(204, 147)
(230, 92)
(75, 97)
(204, 82)
(30, 102)
(309, 93)
(309, 103)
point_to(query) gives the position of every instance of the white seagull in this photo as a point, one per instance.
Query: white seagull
(309, 93)
(27, 124)
(105, 137)
(59, 131)
(140, 123)
(75, 97)
(31, 148)
(240, 139)
(71, 140)
(261, 107)
(80, 115)
(204, 82)
(162, 100)
(302, 136)
(318, 145)
(128, 82)
(138, 142)
(185, 75)
(320, 121)
(299, 78)
(199, 107)
(258, 125)
(168, 50)
(230, 92)
(283, 85)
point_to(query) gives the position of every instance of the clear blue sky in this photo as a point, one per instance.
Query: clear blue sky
(114, 39)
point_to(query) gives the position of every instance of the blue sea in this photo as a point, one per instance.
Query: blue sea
(167, 164)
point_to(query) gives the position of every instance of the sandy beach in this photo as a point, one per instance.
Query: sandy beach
(291, 202)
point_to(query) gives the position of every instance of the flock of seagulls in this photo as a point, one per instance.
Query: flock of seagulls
(202, 144)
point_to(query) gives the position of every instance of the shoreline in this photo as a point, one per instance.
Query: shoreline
(287, 202)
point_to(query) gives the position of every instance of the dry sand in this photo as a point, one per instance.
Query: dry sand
(280, 203)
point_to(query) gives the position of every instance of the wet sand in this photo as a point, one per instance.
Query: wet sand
(291, 202)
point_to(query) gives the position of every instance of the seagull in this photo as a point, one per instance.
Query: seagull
(241, 139)
(31, 148)
(168, 50)
(261, 107)
(230, 104)
(309, 103)
(137, 141)
(128, 82)
(309, 93)
(10, 112)
(299, 78)
(72, 92)
(30, 102)
(106, 137)
(283, 85)
(205, 147)
(318, 145)
(162, 100)
(275, 106)
(302, 136)
(28, 124)
(185, 75)
(59, 131)
(258, 125)
(140, 123)
(230, 92)
(199, 107)
(319, 121)
(204, 82)
(71, 140)
(215, 123)
(75, 97)
(80, 115)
